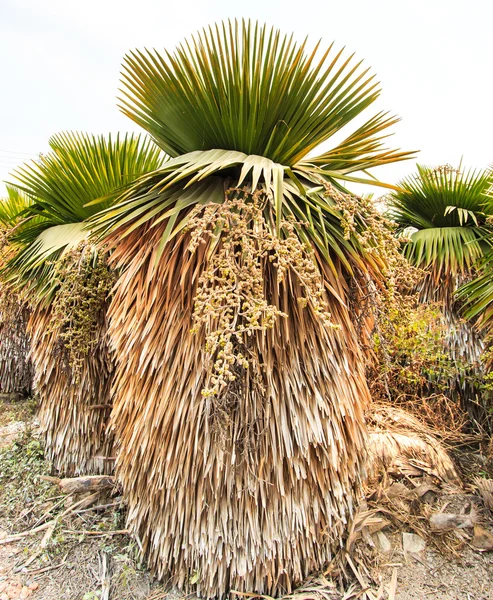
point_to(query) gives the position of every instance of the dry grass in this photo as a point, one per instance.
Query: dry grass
(73, 413)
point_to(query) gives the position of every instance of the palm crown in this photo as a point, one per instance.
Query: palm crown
(62, 186)
(445, 212)
(241, 105)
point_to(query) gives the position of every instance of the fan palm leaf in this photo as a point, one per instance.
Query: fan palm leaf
(477, 295)
(241, 109)
(74, 404)
(446, 211)
(245, 87)
(64, 184)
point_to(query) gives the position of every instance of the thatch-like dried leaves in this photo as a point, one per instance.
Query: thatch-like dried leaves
(16, 369)
(267, 502)
(73, 414)
(485, 489)
(400, 443)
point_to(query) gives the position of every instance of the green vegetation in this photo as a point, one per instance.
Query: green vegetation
(21, 466)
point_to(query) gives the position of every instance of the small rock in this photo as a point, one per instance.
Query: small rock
(397, 490)
(449, 521)
(412, 543)
(3, 534)
(382, 542)
(25, 593)
(34, 586)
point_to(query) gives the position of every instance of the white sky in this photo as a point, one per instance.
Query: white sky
(60, 62)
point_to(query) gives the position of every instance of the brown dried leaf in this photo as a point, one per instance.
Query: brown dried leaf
(482, 540)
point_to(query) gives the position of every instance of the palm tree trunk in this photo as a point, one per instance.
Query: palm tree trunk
(268, 501)
(74, 413)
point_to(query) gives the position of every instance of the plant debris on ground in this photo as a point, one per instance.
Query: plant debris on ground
(418, 534)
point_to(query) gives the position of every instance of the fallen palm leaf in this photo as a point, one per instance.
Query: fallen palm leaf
(485, 488)
(399, 443)
(482, 540)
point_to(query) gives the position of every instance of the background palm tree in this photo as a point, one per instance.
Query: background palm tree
(73, 375)
(260, 502)
(477, 294)
(16, 370)
(445, 212)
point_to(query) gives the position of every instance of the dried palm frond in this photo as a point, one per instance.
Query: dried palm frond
(485, 488)
(74, 411)
(16, 369)
(399, 442)
(266, 503)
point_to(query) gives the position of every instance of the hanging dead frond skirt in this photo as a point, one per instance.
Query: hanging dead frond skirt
(74, 412)
(16, 369)
(464, 343)
(253, 494)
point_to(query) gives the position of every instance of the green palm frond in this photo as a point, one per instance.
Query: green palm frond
(477, 295)
(240, 105)
(82, 168)
(245, 87)
(12, 207)
(64, 184)
(452, 250)
(447, 209)
(203, 177)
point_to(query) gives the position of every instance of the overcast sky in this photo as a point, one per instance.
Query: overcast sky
(60, 63)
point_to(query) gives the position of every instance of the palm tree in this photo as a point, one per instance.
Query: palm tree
(16, 371)
(445, 212)
(68, 282)
(477, 295)
(241, 430)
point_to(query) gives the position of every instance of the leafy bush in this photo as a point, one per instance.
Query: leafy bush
(414, 364)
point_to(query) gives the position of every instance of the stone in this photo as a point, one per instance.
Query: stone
(412, 543)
